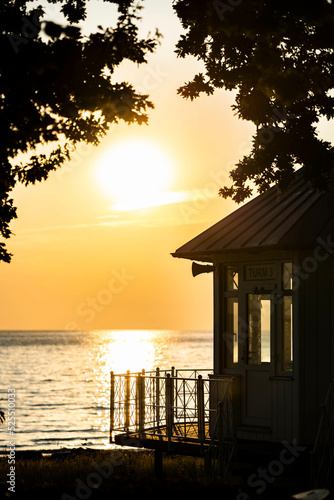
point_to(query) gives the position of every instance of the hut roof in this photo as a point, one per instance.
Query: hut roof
(294, 219)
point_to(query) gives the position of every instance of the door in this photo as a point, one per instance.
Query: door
(257, 341)
(256, 360)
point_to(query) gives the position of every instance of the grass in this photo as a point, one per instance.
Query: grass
(86, 474)
(89, 475)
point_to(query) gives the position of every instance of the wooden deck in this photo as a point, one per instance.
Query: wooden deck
(177, 443)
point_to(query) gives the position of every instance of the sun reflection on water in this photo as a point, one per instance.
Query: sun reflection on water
(131, 350)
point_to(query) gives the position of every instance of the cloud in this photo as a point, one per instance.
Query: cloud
(142, 213)
(161, 199)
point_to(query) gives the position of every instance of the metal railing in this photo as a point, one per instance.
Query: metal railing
(322, 455)
(170, 404)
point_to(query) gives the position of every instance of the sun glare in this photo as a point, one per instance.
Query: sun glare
(135, 174)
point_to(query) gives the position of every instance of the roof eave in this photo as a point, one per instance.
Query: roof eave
(193, 256)
(209, 257)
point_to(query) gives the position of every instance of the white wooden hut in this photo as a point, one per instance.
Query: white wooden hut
(273, 277)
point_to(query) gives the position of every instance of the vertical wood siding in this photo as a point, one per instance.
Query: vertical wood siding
(316, 343)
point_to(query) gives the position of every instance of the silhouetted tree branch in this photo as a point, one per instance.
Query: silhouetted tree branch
(278, 56)
(57, 88)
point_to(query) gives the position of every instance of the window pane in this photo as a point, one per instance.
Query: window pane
(259, 329)
(235, 332)
(231, 331)
(287, 276)
(287, 349)
(231, 278)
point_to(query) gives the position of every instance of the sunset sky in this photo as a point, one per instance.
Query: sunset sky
(84, 256)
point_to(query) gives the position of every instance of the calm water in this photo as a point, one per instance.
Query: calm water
(61, 379)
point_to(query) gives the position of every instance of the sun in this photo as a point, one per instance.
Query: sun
(136, 174)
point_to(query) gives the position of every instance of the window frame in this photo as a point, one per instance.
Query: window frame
(285, 292)
(277, 327)
(229, 365)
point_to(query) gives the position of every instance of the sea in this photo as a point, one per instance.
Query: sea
(54, 385)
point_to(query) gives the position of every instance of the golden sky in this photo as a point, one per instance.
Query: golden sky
(86, 260)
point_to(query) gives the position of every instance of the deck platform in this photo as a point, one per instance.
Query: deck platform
(177, 444)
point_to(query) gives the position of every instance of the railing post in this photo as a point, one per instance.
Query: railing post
(141, 394)
(157, 397)
(169, 407)
(112, 404)
(127, 402)
(200, 410)
(137, 397)
(220, 436)
(184, 408)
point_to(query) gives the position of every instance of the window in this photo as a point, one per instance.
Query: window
(231, 331)
(287, 328)
(259, 329)
(287, 348)
(265, 326)
(231, 316)
(231, 278)
(287, 275)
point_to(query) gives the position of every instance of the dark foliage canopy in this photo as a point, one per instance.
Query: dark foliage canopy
(278, 58)
(57, 88)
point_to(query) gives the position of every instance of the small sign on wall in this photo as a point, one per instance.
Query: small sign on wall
(258, 272)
